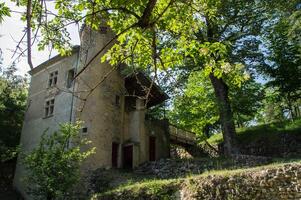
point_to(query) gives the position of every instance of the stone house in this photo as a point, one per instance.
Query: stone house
(111, 105)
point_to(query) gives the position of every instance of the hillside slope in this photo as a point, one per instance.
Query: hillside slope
(282, 139)
(277, 181)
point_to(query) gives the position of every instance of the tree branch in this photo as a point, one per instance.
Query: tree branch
(28, 30)
(145, 18)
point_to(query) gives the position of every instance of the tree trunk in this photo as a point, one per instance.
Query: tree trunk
(49, 196)
(296, 112)
(226, 115)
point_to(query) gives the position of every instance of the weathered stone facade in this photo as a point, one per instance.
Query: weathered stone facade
(113, 121)
(35, 122)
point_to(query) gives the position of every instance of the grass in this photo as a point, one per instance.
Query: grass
(270, 131)
(162, 188)
(146, 183)
(226, 172)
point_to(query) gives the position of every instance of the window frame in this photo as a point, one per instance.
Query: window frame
(117, 100)
(53, 78)
(49, 107)
(69, 82)
(103, 29)
(84, 130)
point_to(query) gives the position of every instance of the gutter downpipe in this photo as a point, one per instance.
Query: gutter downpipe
(71, 119)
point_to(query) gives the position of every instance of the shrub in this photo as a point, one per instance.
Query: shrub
(53, 168)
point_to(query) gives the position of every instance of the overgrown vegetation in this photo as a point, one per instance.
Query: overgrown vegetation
(147, 189)
(197, 109)
(169, 188)
(13, 94)
(271, 131)
(54, 165)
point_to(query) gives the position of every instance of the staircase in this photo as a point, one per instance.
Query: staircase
(181, 137)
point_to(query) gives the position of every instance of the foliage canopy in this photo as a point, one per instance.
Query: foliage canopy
(13, 94)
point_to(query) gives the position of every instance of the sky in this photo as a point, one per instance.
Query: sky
(12, 30)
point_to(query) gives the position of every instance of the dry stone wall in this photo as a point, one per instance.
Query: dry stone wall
(281, 182)
(178, 152)
(174, 168)
(270, 184)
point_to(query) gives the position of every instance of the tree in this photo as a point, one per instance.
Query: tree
(284, 64)
(273, 109)
(4, 12)
(163, 34)
(13, 94)
(12, 103)
(246, 101)
(196, 109)
(54, 166)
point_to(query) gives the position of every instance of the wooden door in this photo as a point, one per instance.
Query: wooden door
(128, 157)
(152, 148)
(115, 147)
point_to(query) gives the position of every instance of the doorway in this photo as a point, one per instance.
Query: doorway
(128, 157)
(115, 147)
(152, 148)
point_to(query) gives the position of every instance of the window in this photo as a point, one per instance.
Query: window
(117, 100)
(70, 77)
(49, 108)
(85, 130)
(103, 29)
(52, 79)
